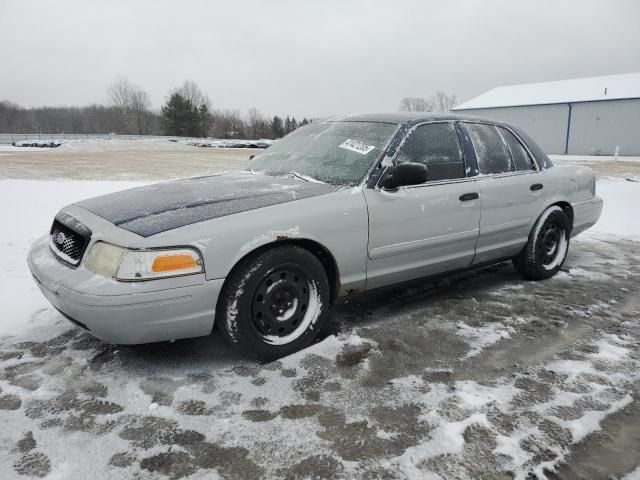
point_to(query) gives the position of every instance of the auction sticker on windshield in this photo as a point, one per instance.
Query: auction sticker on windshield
(356, 146)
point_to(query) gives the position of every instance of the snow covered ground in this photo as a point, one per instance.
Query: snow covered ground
(593, 158)
(619, 215)
(30, 220)
(119, 144)
(481, 375)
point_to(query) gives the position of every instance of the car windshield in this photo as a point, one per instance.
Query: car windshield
(340, 153)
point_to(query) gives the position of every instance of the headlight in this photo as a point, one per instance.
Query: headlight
(130, 265)
(104, 259)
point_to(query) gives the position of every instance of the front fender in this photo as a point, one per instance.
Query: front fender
(337, 221)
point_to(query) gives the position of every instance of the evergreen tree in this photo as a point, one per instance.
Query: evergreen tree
(304, 121)
(180, 117)
(294, 124)
(277, 128)
(287, 125)
(203, 120)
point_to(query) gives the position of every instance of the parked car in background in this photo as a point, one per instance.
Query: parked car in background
(339, 206)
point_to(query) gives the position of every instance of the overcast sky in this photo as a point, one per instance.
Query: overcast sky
(307, 58)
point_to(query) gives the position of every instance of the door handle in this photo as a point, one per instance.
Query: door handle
(469, 196)
(536, 186)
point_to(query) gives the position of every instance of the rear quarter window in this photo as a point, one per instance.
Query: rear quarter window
(540, 156)
(521, 159)
(491, 151)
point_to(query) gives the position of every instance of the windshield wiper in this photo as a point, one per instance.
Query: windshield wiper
(301, 177)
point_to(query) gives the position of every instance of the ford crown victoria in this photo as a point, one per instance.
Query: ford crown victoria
(338, 206)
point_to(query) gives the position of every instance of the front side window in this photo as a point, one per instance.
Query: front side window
(521, 159)
(491, 151)
(437, 147)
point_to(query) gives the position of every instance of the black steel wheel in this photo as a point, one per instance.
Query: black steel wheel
(280, 304)
(274, 302)
(552, 238)
(547, 248)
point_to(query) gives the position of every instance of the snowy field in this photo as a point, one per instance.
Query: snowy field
(118, 144)
(479, 376)
(98, 159)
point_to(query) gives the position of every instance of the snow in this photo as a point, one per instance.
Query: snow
(481, 337)
(590, 421)
(29, 208)
(474, 395)
(562, 91)
(582, 159)
(619, 214)
(106, 145)
(581, 272)
(269, 237)
(447, 439)
(120, 144)
(609, 352)
(635, 475)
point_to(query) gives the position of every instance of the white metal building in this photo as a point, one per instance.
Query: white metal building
(583, 116)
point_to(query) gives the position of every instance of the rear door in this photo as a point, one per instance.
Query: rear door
(511, 189)
(421, 230)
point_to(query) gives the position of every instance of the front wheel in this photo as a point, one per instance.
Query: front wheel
(274, 303)
(545, 252)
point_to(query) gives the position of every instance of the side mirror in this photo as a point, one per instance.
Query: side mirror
(405, 174)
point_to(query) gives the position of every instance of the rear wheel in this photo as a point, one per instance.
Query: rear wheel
(545, 252)
(274, 303)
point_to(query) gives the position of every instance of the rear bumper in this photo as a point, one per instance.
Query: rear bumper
(586, 214)
(126, 312)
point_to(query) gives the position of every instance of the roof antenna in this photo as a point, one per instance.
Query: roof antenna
(605, 91)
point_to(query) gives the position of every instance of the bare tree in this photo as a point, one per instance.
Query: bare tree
(87, 119)
(415, 104)
(228, 124)
(132, 104)
(119, 93)
(236, 125)
(255, 122)
(140, 104)
(442, 103)
(191, 91)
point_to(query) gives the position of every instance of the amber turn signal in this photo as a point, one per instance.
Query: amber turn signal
(168, 263)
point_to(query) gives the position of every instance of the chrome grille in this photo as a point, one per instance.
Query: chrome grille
(69, 239)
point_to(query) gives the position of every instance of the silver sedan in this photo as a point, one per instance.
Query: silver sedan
(336, 207)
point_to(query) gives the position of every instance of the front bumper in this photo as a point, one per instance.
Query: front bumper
(586, 214)
(126, 312)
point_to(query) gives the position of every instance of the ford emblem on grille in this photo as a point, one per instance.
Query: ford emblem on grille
(68, 239)
(60, 238)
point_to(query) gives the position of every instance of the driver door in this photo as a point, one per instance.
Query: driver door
(421, 230)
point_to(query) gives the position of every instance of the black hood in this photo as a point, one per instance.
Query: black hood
(164, 206)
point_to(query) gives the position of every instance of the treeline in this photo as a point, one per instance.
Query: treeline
(439, 102)
(186, 112)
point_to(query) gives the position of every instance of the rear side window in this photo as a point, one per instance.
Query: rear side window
(493, 154)
(521, 159)
(437, 147)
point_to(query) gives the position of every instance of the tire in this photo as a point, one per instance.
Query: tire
(547, 247)
(274, 303)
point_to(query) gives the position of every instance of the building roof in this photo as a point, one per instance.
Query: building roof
(400, 117)
(591, 89)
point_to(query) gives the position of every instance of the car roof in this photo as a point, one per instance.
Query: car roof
(407, 118)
